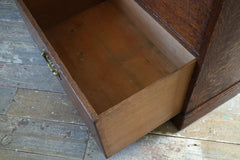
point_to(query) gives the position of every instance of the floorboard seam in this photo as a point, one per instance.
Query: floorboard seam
(199, 139)
(85, 152)
(32, 153)
(12, 86)
(32, 118)
(12, 100)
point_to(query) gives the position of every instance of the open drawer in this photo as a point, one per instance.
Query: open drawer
(125, 74)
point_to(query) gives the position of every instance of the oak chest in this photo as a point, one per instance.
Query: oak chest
(130, 66)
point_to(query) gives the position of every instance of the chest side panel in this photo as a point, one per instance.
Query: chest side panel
(221, 66)
(187, 20)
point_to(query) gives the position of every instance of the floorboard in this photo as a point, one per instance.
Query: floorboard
(152, 147)
(44, 105)
(37, 77)
(19, 155)
(43, 137)
(9, 12)
(6, 97)
(221, 125)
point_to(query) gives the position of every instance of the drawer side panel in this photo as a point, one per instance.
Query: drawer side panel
(144, 111)
(220, 68)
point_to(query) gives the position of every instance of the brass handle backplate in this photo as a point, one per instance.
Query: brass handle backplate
(50, 64)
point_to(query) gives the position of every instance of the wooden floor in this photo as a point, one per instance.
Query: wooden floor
(39, 122)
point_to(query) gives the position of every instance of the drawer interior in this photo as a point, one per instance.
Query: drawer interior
(109, 48)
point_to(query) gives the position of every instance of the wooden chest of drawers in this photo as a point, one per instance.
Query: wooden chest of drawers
(129, 66)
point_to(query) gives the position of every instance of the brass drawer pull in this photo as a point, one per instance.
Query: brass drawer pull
(50, 64)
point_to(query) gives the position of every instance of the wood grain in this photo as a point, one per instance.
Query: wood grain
(144, 111)
(100, 54)
(9, 12)
(28, 76)
(168, 147)
(10, 53)
(202, 147)
(183, 120)
(14, 31)
(43, 137)
(219, 125)
(56, 106)
(4, 2)
(221, 64)
(160, 37)
(21, 155)
(17, 45)
(139, 56)
(187, 20)
(6, 97)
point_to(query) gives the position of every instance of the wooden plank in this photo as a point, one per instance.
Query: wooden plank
(221, 64)
(44, 105)
(15, 125)
(186, 20)
(29, 76)
(6, 97)
(43, 137)
(163, 40)
(163, 147)
(20, 52)
(18, 155)
(6, 2)
(139, 114)
(14, 31)
(181, 120)
(220, 125)
(9, 12)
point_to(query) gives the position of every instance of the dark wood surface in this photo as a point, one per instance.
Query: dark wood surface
(216, 45)
(187, 20)
(183, 120)
(219, 72)
(221, 65)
